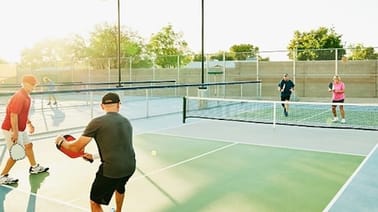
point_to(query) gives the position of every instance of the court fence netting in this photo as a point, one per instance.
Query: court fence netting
(306, 114)
(78, 102)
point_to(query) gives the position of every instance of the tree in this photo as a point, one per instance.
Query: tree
(238, 52)
(48, 53)
(320, 44)
(103, 45)
(168, 48)
(244, 51)
(359, 52)
(219, 56)
(78, 48)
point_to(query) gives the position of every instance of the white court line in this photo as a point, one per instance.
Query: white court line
(3, 145)
(183, 162)
(348, 182)
(65, 203)
(315, 115)
(46, 198)
(260, 144)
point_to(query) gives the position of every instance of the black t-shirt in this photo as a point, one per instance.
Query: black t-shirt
(113, 135)
(286, 86)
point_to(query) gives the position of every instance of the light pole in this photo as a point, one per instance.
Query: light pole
(202, 42)
(202, 90)
(119, 43)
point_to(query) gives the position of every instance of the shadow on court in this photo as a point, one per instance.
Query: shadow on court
(35, 182)
(4, 190)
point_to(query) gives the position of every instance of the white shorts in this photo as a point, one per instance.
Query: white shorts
(23, 138)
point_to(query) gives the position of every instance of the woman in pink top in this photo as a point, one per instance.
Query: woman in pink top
(338, 95)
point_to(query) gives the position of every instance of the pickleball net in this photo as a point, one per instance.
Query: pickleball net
(309, 114)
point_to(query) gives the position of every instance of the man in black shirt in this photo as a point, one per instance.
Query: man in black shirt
(285, 87)
(113, 135)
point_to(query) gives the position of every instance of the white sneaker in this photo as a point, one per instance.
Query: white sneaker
(335, 119)
(6, 180)
(38, 169)
(343, 121)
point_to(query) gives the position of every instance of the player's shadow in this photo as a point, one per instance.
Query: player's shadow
(35, 181)
(57, 116)
(4, 190)
(32, 107)
(164, 192)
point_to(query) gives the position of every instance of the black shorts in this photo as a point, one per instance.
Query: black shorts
(337, 101)
(285, 98)
(103, 188)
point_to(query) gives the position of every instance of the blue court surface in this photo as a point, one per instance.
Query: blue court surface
(204, 166)
(360, 192)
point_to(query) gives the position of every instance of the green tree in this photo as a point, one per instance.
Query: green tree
(244, 51)
(221, 56)
(49, 53)
(360, 52)
(103, 44)
(320, 44)
(77, 48)
(168, 48)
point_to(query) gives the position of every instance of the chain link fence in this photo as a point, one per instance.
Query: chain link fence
(311, 70)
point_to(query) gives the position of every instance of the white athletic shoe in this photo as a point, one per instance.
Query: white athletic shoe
(343, 121)
(6, 180)
(38, 169)
(335, 119)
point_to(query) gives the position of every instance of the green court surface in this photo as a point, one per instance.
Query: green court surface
(200, 166)
(191, 174)
(203, 175)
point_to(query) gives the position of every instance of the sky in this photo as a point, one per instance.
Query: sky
(267, 24)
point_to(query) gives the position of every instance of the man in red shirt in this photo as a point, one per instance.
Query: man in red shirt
(14, 128)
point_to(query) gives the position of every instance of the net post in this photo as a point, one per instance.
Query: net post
(184, 109)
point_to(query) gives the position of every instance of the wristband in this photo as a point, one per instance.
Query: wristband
(58, 145)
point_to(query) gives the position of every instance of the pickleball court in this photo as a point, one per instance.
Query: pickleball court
(203, 165)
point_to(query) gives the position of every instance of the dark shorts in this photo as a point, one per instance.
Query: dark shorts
(103, 188)
(337, 101)
(285, 98)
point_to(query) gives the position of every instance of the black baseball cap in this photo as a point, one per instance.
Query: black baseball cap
(110, 98)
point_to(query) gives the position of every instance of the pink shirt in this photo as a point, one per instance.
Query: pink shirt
(336, 95)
